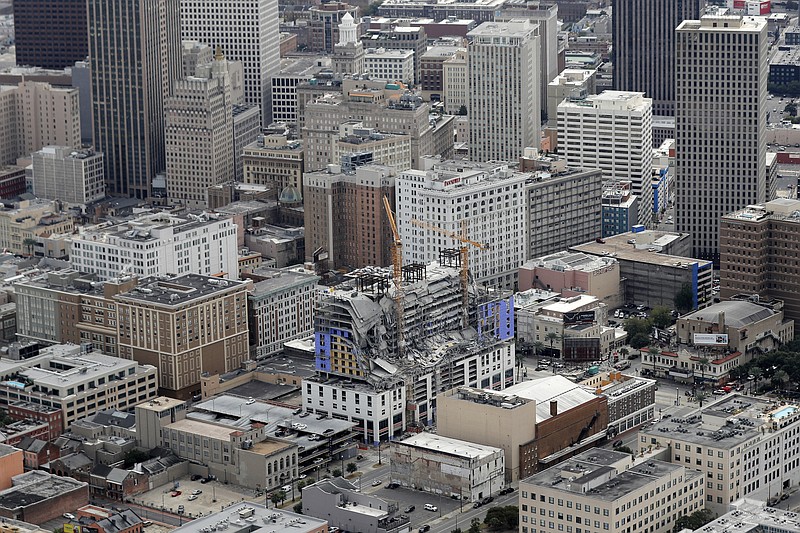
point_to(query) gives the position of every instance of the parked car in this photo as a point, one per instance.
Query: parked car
(181, 509)
(195, 492)
(476, 505)
(487, 500)
(192, 498)
(424, 528)
(69, 516)
(392, 485)
(147, 523)
(377, 482)
(195, 477)
(617, 443)
(409, 509)
(431, 507)
(175, 493)
(541, 368)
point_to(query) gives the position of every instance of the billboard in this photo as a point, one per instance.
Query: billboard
(710, 339)
(582, 349)
(578, 317)
(661, 335)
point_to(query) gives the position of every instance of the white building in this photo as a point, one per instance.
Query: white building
(613, 132)
(604, 490)
(158, 244)
(246, 31)
(199, 134)
(281, 309)
(390, 64)
(571, 83)
(728, 56)
(454, 82)
(504, 100)
(486, 199)
(293, 72)
(744, 446)
(77, 381)
(72, 176)
(447, 467)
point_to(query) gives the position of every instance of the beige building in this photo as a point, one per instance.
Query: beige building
(604, 490)
(34, 115)
(391, 65)
(753, 244)
(275, 161)
(388, 149)
(199, 134)
(72, 176)
(184, 327)
(454, 82)
(572, 274)
(22, 224)
(571, 83)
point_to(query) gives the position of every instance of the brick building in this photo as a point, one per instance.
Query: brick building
(37, 497)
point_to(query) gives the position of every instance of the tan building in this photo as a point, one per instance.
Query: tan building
(10, 464)
(185, 326)
(573, 274)
(388, 149)
(274, 161)
(22, 224)
(454, 82)
(605, 490)
(754, 244)
(344, 214)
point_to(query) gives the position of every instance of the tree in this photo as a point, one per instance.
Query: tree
(684, 300)
(661, 317)
(474, 526)
(694, 521)
(654, 351)
(552, 337)
(624, 449)
(279, 496)
(351, 468)
(298, 508)
(780, 378)
(756, 372)
(791, 108)
(703, 362)
(501, 518)
(372, 8)
(134, 456)
(337, 472)
(640, 340)
(29, 243)
(462, 110)
(624, 352)
(519, 356)
(638, 331)
(300, 485)
(538, 347)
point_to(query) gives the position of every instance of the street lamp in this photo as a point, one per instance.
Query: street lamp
(677, 396)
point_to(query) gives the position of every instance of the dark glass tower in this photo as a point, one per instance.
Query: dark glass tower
(50, 33)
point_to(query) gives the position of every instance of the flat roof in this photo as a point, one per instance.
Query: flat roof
(253, 517)
(617, 246)
(566, 305)
(179, 290)
(160, 404)
(456, 447)
(280, 280)
(564, 392)
(35, 486)
(196, 427)
(747, 516)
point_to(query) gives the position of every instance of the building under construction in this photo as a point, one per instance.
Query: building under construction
(360, 348)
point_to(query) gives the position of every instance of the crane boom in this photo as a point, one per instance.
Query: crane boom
(397, 274)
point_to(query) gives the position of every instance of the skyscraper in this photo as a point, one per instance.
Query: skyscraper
(504, 108)
(644, 47)
(199, 134)
(135, 55)
(720, 96)
(50, 33)
(246, 31)
(612, 132)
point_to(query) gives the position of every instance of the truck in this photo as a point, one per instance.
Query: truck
(593, 370)
(622, 365)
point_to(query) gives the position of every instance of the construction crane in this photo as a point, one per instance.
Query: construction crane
(464, 257)
(397, 277)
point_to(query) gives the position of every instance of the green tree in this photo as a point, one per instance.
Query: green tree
(703, 362)
(474, 526)
(624, 352)
(351, 468)
(501, 518)
(134, 456)
(29, 243)
(661, 317)
(519, 357)
(624, 449)
(791, 108)
(300, 485)
(640, 340)
(638, 331)
(684, 300)
(756, 372)
(372, 8)
(780, 378)
(298, 508)
(538, 347)
(462, 110)
(654, 352)
(552, 337)
(337, 472)
(694, 521)
(279, 496)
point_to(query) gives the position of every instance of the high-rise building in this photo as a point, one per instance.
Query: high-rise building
(348, 53)
(274, 160)
(74, 177)
(344, 215)
(246, 31)
(50, 33)
(400, 38)
(613, 132)
(486, 199)
(199, 134)
(324, 24)
(455, 90)
(504, 112)
(721, 149)
(644, 47)
(135, 55)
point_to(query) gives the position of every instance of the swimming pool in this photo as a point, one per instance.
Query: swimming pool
(783, 413)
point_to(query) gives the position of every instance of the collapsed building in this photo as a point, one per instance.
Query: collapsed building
(384, 350)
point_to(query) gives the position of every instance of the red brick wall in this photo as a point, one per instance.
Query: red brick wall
(52, 508)
(562, 431)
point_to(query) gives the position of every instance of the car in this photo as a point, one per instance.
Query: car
(784, 496)
(286, 488)
(431, 507)
(424, 528)
(617, 443)
(147, 523)
(476, 505)
(487, 500)
(204, 480)
(377, 483)
(69, 516)
(359, 457)
(333, 529)
(195, 492)
(503, 492)
(720, 392)
(195, 477)
(181, 509)
(176, 493)
(302, 476)
(509, 490)
(392, 486)
(192, 498)
(541, 368)
(409, 509)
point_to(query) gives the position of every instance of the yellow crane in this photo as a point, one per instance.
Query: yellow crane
(397, 275)
(463, 253)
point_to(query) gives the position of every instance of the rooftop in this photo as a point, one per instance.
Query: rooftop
(644, 250)
(5, 449)
(516, 28)
(738, 313)
(161, 403)
(196, 427)
(573, 303)
(566, 260)
(180, 290)
(559, 389)
(253, 517)
(446, 445)
(786, 55)
(35, 486)
(748, 516)
(279, 280)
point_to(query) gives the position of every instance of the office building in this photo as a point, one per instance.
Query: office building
(656, 266)
(275, 161)
(199, 134)
(720, 164)
(246, 129)
(432, 69)
(503, 56)
(195, 53)
(260, 519)
(342, 503)
(390, 65)
(454, 83)
(620, 208)
(611, 491)
(613, 132)
(644, 44)
(572, 274)
(153, 328)
(76, 381)
(244, 31)
(129, 85)
(478, 11)
(571, 83)
(767, 231)
(12, 181)
(324, 25)
(752, 516)
(293, 72)
(358, 143)
(25, 221)
(410, 38)
(281, 309)
(344, 215)
(482, 202)
(348, 53)
(157, 244)
(727, 440)
(74, 177)
(50, 33)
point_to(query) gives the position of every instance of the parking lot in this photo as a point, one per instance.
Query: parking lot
(404, 497)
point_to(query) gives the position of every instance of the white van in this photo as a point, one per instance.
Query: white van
(429, 507)
(286, 488)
